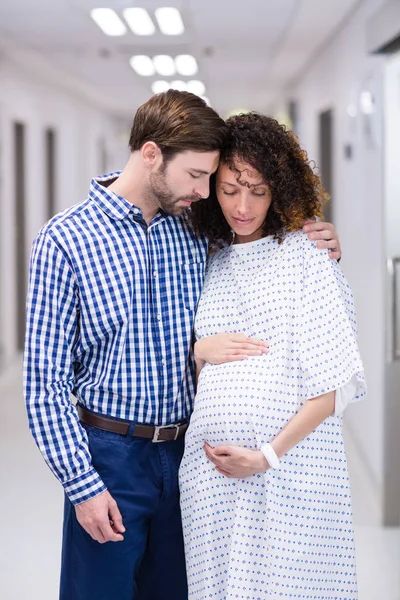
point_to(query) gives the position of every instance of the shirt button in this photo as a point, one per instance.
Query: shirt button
(159, 316)
(155, 274)
(136, 211)
(163, 363)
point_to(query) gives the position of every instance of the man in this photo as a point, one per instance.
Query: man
(113, 288)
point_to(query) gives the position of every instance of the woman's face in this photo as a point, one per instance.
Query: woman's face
(244, 199)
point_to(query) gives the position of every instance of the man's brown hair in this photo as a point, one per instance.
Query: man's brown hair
(176, 122)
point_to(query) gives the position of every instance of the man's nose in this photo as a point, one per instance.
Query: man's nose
(202, 189)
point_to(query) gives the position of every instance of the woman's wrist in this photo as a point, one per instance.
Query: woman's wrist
(262, 464)
(270, 456)
(196, 350)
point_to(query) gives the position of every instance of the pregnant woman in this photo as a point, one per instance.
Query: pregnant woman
(265, 495)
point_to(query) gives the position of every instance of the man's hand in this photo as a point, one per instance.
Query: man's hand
(327, 234)
(100, 518)
(235, 461)
(226, 347)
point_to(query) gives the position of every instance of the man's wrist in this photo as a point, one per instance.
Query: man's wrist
(84, 487)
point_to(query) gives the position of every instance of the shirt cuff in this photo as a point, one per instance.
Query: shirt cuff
(84, 487)
(345, 395)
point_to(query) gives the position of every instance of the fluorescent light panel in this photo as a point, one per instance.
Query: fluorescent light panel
(179, 85)
(169, 21)
(157, 87)
(196, 87)
(139, 21)
(164, 65)
(143, 65)
(108, 21)
(186, 65)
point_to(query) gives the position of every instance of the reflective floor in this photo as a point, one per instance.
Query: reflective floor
(31, 505)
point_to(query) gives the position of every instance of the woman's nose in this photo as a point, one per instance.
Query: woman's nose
(242, 205)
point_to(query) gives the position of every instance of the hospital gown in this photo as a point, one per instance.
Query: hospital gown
(286, 533)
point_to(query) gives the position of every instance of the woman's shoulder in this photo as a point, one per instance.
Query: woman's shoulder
(302, 251)
(298, 241)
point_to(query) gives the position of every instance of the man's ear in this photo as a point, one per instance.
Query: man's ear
(151, 154)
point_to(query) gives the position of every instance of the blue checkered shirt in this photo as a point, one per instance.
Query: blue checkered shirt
(110, 313)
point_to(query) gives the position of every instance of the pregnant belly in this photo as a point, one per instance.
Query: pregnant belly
(240, 403)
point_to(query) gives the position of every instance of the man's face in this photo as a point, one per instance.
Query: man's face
(183, 180)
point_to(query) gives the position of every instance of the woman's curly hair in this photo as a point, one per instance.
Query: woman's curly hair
(297, 193)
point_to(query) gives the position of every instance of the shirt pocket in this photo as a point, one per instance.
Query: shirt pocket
(192, 277)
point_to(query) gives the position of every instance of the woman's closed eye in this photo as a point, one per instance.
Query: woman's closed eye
(233, 192)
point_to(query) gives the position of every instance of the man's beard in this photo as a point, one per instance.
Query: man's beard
(163, 195)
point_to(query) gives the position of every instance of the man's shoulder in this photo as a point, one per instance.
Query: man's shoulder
(62, 221)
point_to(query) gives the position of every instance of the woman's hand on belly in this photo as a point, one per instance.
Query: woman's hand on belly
(226, 347)
(235, 461)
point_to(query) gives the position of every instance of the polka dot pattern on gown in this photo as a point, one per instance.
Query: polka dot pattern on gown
(287, 533)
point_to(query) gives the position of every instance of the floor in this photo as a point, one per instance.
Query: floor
(31, 505)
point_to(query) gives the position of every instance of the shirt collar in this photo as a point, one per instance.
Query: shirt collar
(116, 206)
(113, 205)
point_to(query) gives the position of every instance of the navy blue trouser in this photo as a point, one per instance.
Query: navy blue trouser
(149, 564)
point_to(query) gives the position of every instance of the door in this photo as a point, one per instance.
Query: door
(326, 158)
(392, 243)
(20, 215)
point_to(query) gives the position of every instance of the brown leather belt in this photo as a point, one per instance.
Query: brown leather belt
(157, 433)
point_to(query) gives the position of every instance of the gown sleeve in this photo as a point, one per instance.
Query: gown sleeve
(330, 358)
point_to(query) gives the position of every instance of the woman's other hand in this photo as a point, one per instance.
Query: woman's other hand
(236, 461)
(227, 347)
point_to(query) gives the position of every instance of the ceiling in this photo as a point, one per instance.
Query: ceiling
(247, 50)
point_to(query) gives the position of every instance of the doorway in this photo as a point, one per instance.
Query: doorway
(20, 215)
(392, 249)
(326, 158)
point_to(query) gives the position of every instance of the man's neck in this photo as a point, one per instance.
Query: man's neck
(131, 185)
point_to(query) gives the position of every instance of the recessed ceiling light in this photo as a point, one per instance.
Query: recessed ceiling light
(143, 65)
(157, 87)
(169, 21)
(186, 65)
(108, 21)
(196, 87)
(139, 21)
(164, 65)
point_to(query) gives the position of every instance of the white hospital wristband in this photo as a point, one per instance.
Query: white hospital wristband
(271, 456)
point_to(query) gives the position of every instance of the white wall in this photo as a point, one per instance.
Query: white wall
(27, 97)
(334, 80)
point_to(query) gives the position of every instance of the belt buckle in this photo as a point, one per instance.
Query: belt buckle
(159, 428)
